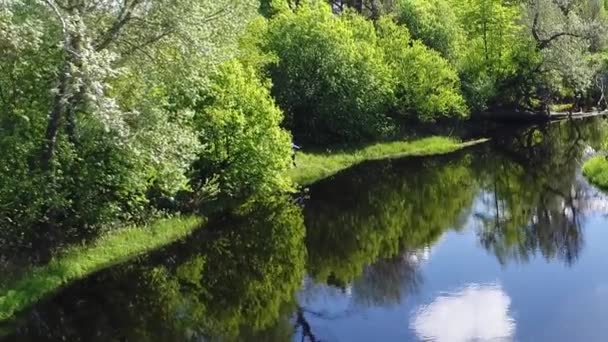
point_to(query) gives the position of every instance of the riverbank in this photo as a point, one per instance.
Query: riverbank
(315, 166)
(78, 262)
(596, 171)
(532, 117)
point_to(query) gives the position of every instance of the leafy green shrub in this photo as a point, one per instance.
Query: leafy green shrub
(483, 40)
(243, 144)
(434, 23)
(330, 77)
(596, 171)
(426, 86)
(124, 134)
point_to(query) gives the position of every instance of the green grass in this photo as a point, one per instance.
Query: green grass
(312, 167)
(560, 107)
(78, 262)
(596, 171)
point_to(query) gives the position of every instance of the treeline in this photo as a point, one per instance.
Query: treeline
(117, 111)
(445, 57)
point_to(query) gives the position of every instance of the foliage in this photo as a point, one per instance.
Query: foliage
(567, 36)
(433, 22)
(495, 59)
(596, 171)
(426, 86)
(243, 144)
(497, 64)
(98, 103)
(330, 78)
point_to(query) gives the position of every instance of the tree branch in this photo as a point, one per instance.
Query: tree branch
(535, 28)
(53, 6)
(124, 16)
(152, 40)
(543, 44)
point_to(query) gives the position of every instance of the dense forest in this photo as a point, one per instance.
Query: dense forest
(123, 111)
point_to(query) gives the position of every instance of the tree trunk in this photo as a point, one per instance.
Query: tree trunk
(76, 99)
(55, 116)
(356, 4)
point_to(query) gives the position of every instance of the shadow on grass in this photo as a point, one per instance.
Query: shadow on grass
(80, 261)
(314, 166)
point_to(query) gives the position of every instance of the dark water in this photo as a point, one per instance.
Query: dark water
(503, 242)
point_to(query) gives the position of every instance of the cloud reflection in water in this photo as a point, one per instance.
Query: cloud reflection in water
(475, 313)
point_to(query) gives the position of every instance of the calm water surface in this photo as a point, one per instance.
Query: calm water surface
(503, 242)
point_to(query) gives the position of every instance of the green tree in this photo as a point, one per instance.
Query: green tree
(98, 100)
(567, 35)
(434, 22)
(330, 78)
(244, 147)
(426, 86)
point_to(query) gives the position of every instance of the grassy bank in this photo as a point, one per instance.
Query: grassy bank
(78, 262)
(596, 171)
(312, 167)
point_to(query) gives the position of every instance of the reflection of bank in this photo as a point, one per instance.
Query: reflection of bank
(475, 313)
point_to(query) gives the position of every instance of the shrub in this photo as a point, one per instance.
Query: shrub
(434, 23)
(243, 144)
(596, 171)
(330, 77)
(426, 86)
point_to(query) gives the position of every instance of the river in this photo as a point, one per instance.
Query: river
(505, 241)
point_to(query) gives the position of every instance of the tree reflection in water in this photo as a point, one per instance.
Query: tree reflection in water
(234, 279)
(523, 194)
(364, 234)
(533, 193)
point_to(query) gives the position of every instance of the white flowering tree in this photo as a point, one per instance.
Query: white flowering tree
(100, 94)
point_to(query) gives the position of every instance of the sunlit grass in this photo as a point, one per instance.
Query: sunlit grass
(80, 261)
(561, 107)
(596, 171)
(312, 167)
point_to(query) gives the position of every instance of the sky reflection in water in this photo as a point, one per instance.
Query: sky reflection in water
(475, 313)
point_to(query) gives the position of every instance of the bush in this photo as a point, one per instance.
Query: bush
(426, 86)
(484, 42)
(330, 77)
(434, 23)
(596, 171)
(243, 144)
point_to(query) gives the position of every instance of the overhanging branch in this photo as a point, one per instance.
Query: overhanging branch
(124, 16)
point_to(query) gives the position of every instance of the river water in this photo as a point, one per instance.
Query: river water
(501, 242)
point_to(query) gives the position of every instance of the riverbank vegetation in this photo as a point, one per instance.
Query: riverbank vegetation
(311, 167)
(596, 171)
(121, 112)
(79, 262)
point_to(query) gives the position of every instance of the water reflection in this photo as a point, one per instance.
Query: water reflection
(533, 193)
(366, 239)
(475, 313)
(235, 278)
(387, 281)
(379, 211)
